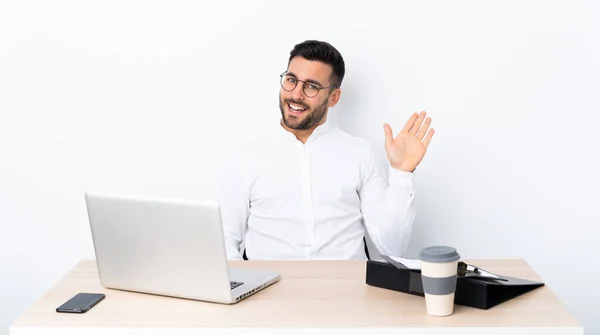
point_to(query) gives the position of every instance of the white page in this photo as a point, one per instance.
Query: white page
(413, 264)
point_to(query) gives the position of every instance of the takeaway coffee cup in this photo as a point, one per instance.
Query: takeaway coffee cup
(439, 266)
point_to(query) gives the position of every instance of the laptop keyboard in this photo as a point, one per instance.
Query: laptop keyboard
(235, 284)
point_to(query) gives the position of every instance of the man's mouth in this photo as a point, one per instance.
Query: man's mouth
(296, 109)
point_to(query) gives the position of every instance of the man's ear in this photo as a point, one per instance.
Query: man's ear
(335, 97)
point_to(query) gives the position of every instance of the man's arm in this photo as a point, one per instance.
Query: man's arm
(235, 207)
(388, 211)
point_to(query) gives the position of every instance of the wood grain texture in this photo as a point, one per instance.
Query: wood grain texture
(309, 294)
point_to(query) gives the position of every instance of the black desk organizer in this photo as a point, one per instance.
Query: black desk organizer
(472, 292)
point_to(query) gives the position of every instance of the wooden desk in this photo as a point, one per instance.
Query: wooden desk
(324, 297)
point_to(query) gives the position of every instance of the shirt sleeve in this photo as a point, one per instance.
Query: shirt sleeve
(388, 209)
(234, 202)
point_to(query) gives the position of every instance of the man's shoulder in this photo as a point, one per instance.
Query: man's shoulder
(352, 142)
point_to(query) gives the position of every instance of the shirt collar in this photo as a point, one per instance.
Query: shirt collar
(320, 130)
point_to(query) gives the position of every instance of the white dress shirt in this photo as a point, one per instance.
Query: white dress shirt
(282, 199)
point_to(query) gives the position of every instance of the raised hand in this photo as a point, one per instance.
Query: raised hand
(408, 148)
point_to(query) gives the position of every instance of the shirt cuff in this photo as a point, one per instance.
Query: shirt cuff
(398, 176)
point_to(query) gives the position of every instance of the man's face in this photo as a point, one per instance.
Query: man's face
(299, 111)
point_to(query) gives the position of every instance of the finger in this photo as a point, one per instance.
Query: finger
(410, 122)
(417, 125)
(388, 134)
(428, 137)
(421, 133)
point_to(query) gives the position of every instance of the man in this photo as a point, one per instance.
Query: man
(313, 191)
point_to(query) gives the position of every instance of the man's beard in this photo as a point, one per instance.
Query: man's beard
(314, 117)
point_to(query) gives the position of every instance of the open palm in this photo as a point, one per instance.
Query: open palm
(408, 148)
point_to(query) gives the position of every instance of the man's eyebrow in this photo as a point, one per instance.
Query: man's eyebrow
(307, 80)
(314, 82)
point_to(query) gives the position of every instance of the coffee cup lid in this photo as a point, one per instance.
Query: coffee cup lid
(438, 254)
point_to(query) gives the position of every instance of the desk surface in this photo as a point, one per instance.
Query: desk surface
(312, 296)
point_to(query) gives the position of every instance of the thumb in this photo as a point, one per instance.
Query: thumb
(388, 135)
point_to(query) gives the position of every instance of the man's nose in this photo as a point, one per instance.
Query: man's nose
(297, 93)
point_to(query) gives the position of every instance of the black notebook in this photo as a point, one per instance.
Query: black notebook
(470, 291)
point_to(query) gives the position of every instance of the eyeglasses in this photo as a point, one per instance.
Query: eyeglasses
(310, 89)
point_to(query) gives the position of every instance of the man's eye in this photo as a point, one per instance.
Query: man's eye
(312, 87)
(291, 80)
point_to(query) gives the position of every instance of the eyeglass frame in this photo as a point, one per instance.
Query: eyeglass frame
(304, 82)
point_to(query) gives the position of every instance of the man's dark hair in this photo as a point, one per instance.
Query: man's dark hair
(322, 52)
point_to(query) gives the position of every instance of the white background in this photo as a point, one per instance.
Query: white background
(151, 98)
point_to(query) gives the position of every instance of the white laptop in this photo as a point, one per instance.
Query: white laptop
(167, 247)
